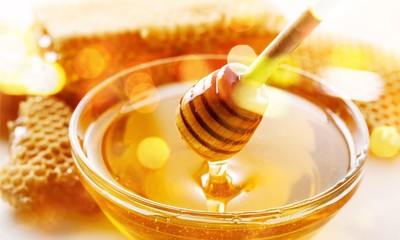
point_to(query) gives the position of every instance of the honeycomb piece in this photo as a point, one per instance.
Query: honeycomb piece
(41, 172)
(322, 51)
(90, 52)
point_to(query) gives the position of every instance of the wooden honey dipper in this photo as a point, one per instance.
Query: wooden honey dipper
(219, 114)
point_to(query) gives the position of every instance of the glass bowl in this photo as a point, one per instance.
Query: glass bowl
(141, 218)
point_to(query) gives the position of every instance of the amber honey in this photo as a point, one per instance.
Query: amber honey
(296, 153)
(301, 165)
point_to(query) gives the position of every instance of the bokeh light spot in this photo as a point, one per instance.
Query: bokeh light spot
(285, 78)
(137, 78)
(19, 61)
(43, 78)
(243, 54)
(385, 141)
(243, 16)
(90, 62)
(153, 152)
(194, 69)
(354, 84)
(36, 77)
(148, 96)
(349, 57)
(45, 41)
(13, 53)
(142, 93)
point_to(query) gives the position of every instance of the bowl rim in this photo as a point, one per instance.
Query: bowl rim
(278, 214)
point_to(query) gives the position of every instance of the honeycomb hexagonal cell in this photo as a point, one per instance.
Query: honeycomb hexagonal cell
(325, 51)
(41, 171)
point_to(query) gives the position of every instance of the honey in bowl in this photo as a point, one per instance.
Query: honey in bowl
(295, 154)
(300, 167)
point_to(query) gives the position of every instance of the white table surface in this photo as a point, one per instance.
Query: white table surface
(373, 213)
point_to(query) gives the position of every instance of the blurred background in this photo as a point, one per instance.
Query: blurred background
(371, 214)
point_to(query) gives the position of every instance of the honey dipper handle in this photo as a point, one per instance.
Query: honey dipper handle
(290, 38)
(287, 40)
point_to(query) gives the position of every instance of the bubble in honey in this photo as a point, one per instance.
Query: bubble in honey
(153, 152)
(90, 62)
(193, 69)
(243, 54)
(385, 141)
(243, 16)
